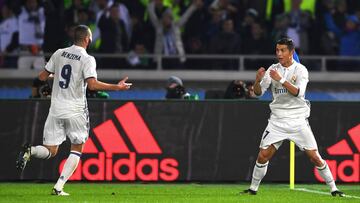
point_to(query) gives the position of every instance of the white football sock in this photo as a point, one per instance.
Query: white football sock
(258, 174)
(40, 152)
(325, 173)
(69, 168)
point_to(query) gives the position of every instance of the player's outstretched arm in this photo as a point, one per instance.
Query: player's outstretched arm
(44, 75)
(259, 76)
(94, 84)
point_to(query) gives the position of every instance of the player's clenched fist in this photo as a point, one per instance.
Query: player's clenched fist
(260, 74)
(275, 75)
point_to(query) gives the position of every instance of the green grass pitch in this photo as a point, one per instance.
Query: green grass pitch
(183, 192)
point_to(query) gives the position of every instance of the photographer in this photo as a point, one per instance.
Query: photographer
(235, 90)
(175, 88)
(40, 89)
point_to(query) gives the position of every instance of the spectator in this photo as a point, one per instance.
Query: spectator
(226, 8)
(250, 18)
(257, 44)
(168, 36)
(135, 60)
(139, 27)
(54, 35)
(235, 90)
(72, 13)
(226, 42)
(9, 37)
(114, 38)
(213, 27)
(280, 27)
(99, 8)
(300, 22)
(125, 17)
(31, 35)
(196, 46)
(329, 43)
(349, 40)
(83, 17)
(69, 36)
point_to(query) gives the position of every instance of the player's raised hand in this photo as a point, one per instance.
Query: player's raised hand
(260, 74)
(123, 85)
(275, 75)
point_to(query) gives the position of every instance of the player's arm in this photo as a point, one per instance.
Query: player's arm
(152, 14)
(94, 84)
(49, 69)
(259, 76)
(274, 74)
(44, 75)
(262, 81)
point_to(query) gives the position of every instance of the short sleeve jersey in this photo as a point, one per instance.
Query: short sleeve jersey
(284, 104)
(71, 67)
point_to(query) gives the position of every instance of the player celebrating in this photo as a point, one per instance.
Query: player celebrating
(73, 70)
(289, 113)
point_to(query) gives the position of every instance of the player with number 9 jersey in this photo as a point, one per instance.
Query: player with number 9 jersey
(71, 67)
(73, 71)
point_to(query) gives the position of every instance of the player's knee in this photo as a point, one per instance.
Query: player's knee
(316, 160)
(263, 157)
(53, 151)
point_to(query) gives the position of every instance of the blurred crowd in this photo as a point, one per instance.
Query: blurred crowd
(176, 28)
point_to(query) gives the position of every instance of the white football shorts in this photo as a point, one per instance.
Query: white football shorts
(296, 130)
(57, 129)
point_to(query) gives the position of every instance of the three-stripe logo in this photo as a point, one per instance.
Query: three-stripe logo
(347, 170)
(117, 161)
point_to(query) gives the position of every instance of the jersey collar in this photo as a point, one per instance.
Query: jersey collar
(290, 67)
(79, 47)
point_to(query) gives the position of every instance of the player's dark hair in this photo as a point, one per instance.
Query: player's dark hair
(81, 32)
(288, 42)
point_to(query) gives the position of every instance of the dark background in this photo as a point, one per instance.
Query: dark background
(212, 140)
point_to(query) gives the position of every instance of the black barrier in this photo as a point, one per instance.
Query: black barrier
(179, 141)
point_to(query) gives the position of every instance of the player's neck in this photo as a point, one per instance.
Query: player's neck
(287, 64)
(80, 45)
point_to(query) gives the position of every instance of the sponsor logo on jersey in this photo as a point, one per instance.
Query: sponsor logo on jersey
(280, 90)
(117, 162)
(348, 169)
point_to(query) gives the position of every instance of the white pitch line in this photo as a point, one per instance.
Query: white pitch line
(323, 193)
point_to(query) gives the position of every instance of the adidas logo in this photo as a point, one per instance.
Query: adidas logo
(347, 170)
(117, 161)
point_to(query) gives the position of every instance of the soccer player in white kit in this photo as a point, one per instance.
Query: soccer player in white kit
(73, 71)
(289, 112)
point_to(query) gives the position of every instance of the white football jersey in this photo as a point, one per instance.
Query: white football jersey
(284, 104)
(71, 67)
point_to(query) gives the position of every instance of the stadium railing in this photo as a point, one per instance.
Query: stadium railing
(323, 68)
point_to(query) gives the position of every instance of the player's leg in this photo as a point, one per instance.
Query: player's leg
(260, 167)
(271, 140)
(306, 142)
(54, 135)
(324, 171)
(69, 167)
(77, 129)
